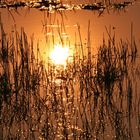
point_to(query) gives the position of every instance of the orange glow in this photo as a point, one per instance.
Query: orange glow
(60, 54)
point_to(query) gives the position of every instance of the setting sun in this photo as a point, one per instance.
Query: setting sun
(59, 55)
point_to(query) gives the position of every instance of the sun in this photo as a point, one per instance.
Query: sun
(60, 54)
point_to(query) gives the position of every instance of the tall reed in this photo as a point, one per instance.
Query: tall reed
(84, 100)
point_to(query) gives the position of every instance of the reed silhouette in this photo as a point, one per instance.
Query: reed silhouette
(93, 97)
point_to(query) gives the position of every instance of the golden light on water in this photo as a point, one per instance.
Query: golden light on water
(60, 54)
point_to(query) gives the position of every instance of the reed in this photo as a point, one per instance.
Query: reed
(94, 94)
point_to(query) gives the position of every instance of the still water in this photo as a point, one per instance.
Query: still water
(95, 96)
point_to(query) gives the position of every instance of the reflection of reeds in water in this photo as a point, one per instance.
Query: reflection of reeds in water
(94, 93)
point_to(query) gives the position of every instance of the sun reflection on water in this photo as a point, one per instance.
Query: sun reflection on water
(60, 55)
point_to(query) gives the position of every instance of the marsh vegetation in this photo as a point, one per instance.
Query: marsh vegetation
(94, 96)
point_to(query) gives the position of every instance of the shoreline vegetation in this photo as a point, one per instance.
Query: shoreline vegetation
(50, 6)
(94, 97)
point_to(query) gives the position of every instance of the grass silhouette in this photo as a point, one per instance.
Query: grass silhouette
(92, 95)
